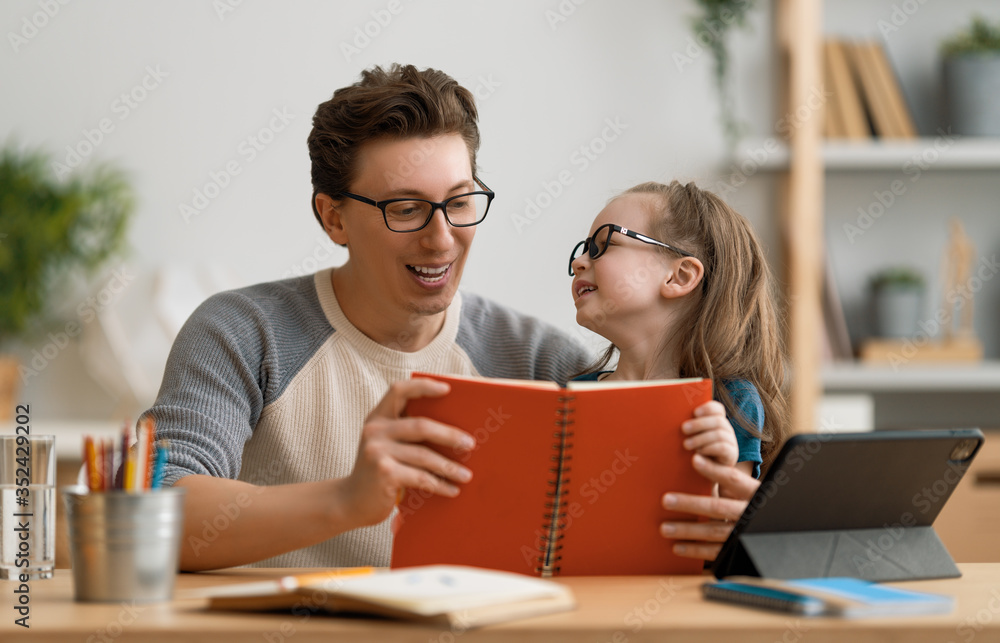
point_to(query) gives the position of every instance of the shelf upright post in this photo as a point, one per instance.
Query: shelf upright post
(800, 33)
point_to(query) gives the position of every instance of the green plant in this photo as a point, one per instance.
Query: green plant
(711, 27)
(897, 277)
(980, 37)
(50, 229)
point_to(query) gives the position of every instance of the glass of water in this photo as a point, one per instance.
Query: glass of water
(27, 506)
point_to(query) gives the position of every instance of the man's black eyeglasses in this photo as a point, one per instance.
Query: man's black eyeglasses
(409, 214)
(597, 244)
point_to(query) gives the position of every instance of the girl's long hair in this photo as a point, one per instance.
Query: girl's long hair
(734, 331)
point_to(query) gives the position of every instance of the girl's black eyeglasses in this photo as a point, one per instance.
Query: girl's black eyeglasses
(597, 244)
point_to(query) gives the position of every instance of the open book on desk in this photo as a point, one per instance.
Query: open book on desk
(437, 594)
(564, 480)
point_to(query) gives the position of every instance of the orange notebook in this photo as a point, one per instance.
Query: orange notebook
(566, 481)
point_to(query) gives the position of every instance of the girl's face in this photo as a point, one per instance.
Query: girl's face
(621, 288)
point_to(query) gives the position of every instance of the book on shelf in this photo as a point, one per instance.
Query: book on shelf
(880, 91)
(833, 120)
(837, 339)
(903, 126)
(847, 113)
(566, 480)
(865, 93)
(842, 597)
(436, 595)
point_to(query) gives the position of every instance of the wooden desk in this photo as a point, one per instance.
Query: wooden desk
(616, 610)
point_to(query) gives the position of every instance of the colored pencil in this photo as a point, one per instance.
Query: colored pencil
(139, 457)
(160, 463)
(90, 459)
(123, 466)
(109, 464)
(139, 467)
(98, 465)
(150, 446)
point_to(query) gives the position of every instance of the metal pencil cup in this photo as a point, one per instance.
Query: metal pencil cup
(124, 546)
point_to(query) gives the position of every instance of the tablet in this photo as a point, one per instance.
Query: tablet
(852, 504)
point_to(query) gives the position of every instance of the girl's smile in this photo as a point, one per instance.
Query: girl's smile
(581, 287)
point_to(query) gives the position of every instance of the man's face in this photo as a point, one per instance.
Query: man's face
(412, 272)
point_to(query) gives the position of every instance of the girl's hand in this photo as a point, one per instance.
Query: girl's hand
(711, 435)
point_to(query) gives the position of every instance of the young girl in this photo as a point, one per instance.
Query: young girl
(677, 281)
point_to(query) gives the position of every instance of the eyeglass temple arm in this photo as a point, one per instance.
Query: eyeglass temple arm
(358, 197)
(642, 237)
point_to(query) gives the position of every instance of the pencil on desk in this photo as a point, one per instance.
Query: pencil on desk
(283, 584)
(301, 580)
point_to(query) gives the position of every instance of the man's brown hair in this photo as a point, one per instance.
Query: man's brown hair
(395, 103)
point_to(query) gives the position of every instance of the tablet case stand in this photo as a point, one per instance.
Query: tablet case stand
(906, 553)
(856, 505)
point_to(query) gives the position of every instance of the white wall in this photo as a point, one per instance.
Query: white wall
(546, 90)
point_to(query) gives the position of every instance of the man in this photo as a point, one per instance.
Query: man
(283, 402)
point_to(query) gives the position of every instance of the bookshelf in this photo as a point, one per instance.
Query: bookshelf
(803, 165)
(920, 395)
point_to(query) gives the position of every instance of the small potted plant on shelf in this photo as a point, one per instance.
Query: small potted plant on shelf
(972, 79)
(49, 229)
(898, 294)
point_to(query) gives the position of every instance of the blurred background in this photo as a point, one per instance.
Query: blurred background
(206, 106)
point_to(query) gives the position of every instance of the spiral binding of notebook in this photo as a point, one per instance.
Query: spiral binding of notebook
(555, 513)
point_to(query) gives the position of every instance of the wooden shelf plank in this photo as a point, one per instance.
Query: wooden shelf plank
(952, 377)
(925, 154)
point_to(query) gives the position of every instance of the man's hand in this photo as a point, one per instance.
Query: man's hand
(704, 539)
(391, 458)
